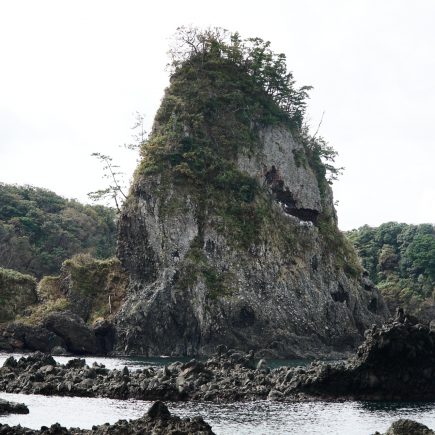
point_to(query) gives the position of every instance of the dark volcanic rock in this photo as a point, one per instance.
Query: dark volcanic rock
(12, 407)
(158, 421)
(105, 336)
(78, 336)
(225, 377)
(395, 362)
(158, 410)
(408, 427)
(62, 332)
(19, 336)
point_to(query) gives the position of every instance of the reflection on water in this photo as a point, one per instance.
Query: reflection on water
(261, 417)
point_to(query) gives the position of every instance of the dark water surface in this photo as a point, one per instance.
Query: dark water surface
(260, 417)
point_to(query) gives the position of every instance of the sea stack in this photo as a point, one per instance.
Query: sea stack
(229, 234)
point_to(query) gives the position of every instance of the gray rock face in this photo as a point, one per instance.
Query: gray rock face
(192, 287)
(280, 151)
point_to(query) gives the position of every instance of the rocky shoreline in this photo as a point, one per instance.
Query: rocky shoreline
(158, 421)
(395, 362)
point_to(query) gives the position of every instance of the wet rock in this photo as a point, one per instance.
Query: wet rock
(7, 407)
(75, 363)
(395, 362)
(275, 395)
(221, 378)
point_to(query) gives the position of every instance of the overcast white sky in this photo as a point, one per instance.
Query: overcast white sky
(73, 73)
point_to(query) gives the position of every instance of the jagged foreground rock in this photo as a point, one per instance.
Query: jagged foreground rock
(407, 427)
(395, 362)
(157, 421)
(7, 407)
(227, 376)
(229, 234)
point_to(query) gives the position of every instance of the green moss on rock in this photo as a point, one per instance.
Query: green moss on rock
(17, 293)
(95, 288)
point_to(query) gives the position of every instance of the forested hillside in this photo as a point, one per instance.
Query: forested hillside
(39, 230)
(400, 259)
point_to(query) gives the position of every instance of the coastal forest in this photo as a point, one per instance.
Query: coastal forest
(40, 229)
(400, 260)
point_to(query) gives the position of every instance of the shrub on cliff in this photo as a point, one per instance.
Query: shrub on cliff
(91, 288)
(222, 89)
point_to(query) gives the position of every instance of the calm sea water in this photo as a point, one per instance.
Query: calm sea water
(261, 417)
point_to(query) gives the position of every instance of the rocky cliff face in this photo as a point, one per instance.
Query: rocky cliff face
(192, 289)
(229, 235)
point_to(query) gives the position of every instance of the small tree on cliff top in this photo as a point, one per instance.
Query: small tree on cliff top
(253, 55)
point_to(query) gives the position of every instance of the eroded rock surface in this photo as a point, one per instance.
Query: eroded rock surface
(227, 376)
(19, 337)
(79, 337)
